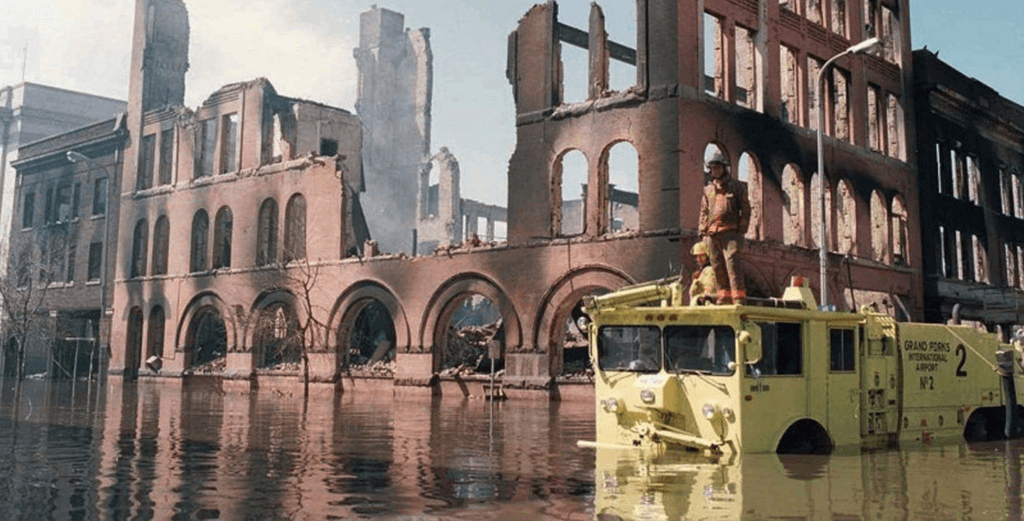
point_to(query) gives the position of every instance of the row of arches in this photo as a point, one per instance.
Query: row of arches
(619, 180)
(801, 213)
(468, 320)
(200, 258)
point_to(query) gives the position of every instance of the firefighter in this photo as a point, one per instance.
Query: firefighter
(724, 217)
(704, 286)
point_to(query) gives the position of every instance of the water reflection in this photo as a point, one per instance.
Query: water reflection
(206, 449)
(929, 482)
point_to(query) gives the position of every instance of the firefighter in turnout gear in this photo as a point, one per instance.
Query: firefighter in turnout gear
(704, 286)
(724, 217)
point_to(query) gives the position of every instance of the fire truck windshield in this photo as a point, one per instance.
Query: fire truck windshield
(641, 349)
(707, 349)
(629, 348)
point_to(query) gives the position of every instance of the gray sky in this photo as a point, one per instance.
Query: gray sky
(305, 48)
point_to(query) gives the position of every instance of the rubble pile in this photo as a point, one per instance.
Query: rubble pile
(467, 347)
(285, 367)
(381, 369)
(214, 366)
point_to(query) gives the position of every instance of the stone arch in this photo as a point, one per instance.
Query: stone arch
(569, 215)
(274, 309)
(560, 300)
(619, 172)
(793, 224)
(846, 218)
(450, 295)
(353, 301)
(749, 171)
(900, 232)
(879, 227)
(200, 306)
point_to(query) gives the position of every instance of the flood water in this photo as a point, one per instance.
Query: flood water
(202, 449)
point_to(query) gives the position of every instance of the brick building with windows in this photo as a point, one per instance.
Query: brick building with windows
(63, 241)
(971, 162)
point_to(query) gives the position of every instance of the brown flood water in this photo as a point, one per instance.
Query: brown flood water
(201, 449)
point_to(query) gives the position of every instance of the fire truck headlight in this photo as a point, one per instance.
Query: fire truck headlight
(728, 414)
(612, 405)
(709, 410)
(647, 396)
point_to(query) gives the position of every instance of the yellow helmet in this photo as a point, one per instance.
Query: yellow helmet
(699, 248)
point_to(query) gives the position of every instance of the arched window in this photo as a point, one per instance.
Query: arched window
(155, 336)
(266, 233)
(133, 341)
(161, 239)
(621, 169)
(222, 239)
(200, 238)
(140, 246)
(749, 172)
(846, 219)
(295, 228)
(569, 184)
(879, 227)
(793, 206)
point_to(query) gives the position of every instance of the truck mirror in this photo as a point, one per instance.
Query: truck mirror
(750, 343)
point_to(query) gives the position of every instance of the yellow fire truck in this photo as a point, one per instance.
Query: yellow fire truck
(781, 375)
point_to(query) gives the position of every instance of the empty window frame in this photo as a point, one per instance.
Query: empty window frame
(140, 248)
(816, 93)
(747, 73)
(229, 143)
(714, 54)
(266, 233)
(973, 179)
(147, 162)
(793, 229)
(1005, 192)
(199, 242)
(295, 228)
(207, 139)
(812, 11)
(879, 227)
(1020, 266)
(979, 269)
(894, 127)
(161, 245)
(838, 17)
(891, 36)
(789, 108)
(1010, 258)
(570, 173)
(876, 119)
(900, 232)
(222, 238)
(155, 334)
(623, 203)
(166, 157)
(839, 91)
(69, 266)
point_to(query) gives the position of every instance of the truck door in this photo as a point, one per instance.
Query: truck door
(879, 380)
(844, 402)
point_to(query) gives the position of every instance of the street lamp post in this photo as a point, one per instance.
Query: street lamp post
(861, 48)
(78, 157)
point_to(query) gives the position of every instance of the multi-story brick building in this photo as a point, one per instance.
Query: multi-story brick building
(971, 143)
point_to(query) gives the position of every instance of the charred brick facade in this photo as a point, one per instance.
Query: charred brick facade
(971, 143)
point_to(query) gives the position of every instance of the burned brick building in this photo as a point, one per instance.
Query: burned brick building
(242, 221)
(971, 143)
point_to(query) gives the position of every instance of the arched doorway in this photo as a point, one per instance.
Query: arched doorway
(468, 331)
(277, 342)
(206, 341)
(369, 337)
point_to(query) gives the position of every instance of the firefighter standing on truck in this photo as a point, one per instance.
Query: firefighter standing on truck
(724, 217)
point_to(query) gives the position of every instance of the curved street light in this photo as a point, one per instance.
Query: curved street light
(861, 48)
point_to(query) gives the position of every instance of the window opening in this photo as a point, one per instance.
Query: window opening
(28, 210)
(207, 147)
(95, 258)
(99, 196)
(571, 171)
(714, 45)
(200, 238)
(623, 204)
(139, 249)
(879, 228)
(839, 17)
(161, 243)
(793, 207)
(166, 156)
(144, 178)
(781, 350)
(266, 234)
(229, 144)
(222, 239)
(843, 351)
(295, 228)
(746, 69)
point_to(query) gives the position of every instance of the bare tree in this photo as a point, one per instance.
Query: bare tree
(23, 290)
(307, 332)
